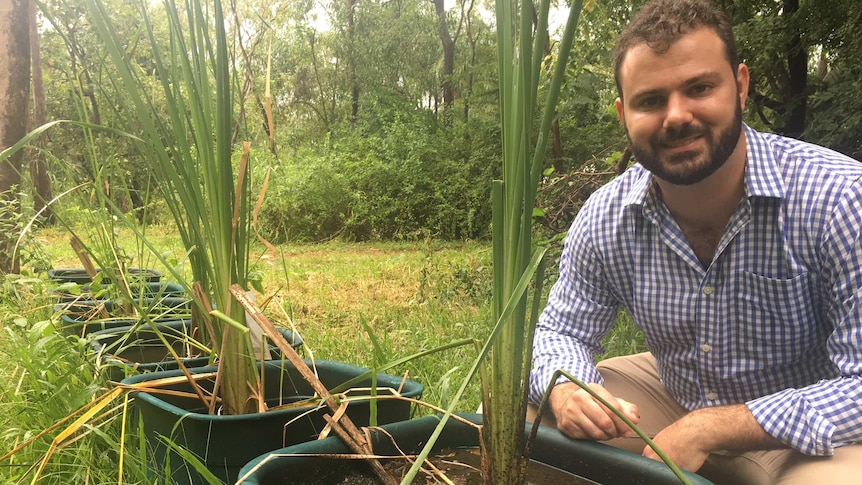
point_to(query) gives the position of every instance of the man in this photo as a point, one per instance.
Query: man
(737, 253)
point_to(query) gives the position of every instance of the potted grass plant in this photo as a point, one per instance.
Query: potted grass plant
(565, 460)
(202, 424)
(504, 362)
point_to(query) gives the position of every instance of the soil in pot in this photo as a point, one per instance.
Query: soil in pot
(322, 462)
(463, 467)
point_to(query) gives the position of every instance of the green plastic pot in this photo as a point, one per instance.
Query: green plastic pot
(82, 317)
(131, 350)
(80, 276)
(225, 443)
(83, 292)
(594, 461)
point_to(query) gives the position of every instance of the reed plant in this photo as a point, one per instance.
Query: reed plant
(503, 361)
(521, 54)
(190, 155)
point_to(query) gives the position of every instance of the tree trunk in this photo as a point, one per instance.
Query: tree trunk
(797, 70)
(14, 98)
(472, 41)
(38, 164)
(354, 83)
(448, 58)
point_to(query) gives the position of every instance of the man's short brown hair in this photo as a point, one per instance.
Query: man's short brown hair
(660, 23)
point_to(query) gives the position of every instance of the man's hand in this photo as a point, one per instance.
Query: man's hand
(580, 416)
(684, 442)
(689, 441)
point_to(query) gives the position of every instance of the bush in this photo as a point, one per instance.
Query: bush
(406, 181)
(309, 200)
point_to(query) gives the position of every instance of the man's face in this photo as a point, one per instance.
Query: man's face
(682, 109)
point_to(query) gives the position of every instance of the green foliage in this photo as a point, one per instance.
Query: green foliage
(414, 296)
(312, 201)
(18, 244)
(401, 180)
(828, 32)
(45, 379)
(397, 55)
(836, 116)
(457, 280)
(190, 157)
(835, 105)
(413, 184)
(625, 339)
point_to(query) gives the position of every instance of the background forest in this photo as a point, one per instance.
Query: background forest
(384, 127)
(385, 121)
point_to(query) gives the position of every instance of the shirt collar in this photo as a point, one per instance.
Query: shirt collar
(762, 175)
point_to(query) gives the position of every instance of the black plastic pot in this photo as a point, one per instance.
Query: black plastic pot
(133, 350)
(226, 443)
(588, 459)
(80, 276)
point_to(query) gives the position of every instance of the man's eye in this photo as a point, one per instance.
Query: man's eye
(701, 89)
(650, 102)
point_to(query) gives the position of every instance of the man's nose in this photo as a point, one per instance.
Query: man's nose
(678, 110)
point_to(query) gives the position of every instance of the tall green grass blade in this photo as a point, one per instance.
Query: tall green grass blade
(520, 51)
(505, 313)
(378, 358)
(399, 362)
(195, 462)
(190, 157)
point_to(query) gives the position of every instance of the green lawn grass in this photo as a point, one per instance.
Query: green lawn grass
(411, 296)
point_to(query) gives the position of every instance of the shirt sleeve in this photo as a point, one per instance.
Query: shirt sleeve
(816, 419)
(580, 311)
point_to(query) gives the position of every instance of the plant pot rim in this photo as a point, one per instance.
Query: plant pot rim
(550, 448)
(410, 388)
(81, 275)
(147, 289)
(100, 339)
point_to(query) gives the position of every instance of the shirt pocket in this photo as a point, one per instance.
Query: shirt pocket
(775, 319)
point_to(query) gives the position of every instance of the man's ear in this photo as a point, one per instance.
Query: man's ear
(621, 114)
(742, 80)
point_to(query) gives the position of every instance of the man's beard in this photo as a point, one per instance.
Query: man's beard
(681, 168)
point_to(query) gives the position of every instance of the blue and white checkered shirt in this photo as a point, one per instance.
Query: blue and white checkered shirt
(774, 322)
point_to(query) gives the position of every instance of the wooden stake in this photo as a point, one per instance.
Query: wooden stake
(345, 428)
(81, 252)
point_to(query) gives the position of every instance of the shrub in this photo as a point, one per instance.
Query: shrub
(308, 200)
(406, 180)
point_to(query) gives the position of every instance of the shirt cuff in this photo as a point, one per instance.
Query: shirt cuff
(542, 374)
(788, 417)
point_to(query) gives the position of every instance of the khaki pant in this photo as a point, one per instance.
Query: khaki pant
(635, 379)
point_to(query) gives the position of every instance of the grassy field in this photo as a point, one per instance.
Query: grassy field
(412, 297)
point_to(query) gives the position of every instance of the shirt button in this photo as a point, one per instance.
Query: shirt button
(708, 290)
(712, 396)
(705, 347)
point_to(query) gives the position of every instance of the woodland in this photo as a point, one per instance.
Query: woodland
(384, 121)
(287, 122)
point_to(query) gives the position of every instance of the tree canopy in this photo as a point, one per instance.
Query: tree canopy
(385, 120)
